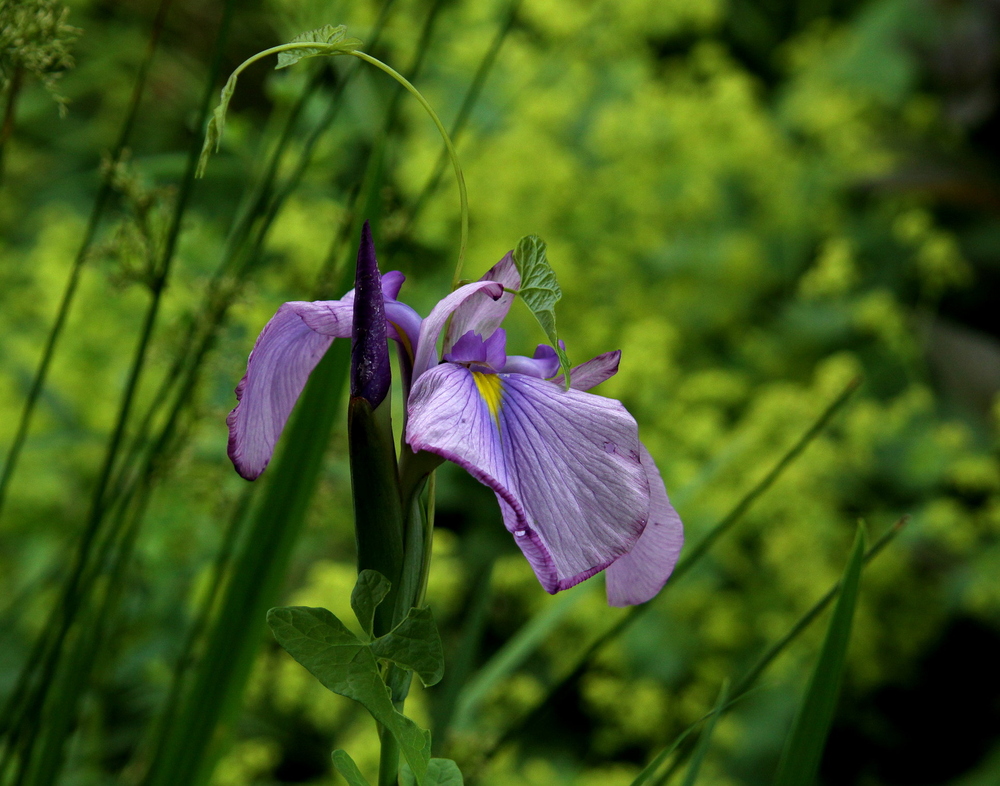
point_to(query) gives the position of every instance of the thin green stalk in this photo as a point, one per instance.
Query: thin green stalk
(463, 197)
(690, 559)
(76, 588)
(85, 648)
(388, 760)
(747, 682)
(186, 656)
(9, 114)
(101, 201)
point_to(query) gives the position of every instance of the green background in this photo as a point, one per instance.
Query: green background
(755, 200)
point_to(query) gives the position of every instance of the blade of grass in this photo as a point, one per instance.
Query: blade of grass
(706, 737)
(195, 738)
(688, 561)
(84, 647)
(515, 651)
(747, 682)
(805, 743)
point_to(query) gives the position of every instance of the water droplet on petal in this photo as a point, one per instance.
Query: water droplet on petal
(520, 533)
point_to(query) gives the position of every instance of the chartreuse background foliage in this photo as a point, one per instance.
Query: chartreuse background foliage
(755, 200)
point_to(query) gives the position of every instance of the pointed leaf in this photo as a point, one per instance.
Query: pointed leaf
(369, 592)
(332, 39)
(804, 747)
(216, 125)
(440, 772)
(347, 666)
(540, 291)
(349, 770)
(414, 644)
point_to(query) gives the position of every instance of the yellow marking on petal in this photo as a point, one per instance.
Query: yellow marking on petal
(491, 390)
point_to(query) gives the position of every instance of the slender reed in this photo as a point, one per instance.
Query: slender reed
(101, 200)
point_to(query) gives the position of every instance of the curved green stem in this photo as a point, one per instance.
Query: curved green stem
(462, 195)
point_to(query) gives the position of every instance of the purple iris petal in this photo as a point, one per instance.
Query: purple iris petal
(370, 372)
(593, 372)
(481, 313)
(543, 365)
(637, 576)
(564, 463)
(284, 355)
(488, 355)
(430, 328)
(392, 282)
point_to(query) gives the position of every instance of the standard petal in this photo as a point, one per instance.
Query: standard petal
(286, 352)
(482, 314)
(566, 464)
(593, 372)
(637, 576)
(430, 328)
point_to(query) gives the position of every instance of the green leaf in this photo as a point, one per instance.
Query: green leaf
(348, 769)
(332, 39)
(216, 125)
(440, 772)
(369, 592)
(347, 666)
(414, 644)
(706, 737)
(804, 747)
(540, 290)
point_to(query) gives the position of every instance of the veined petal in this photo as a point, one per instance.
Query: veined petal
(430, 328)
(286, 352)
(565, 464)
(481, 313)
(593, 372)
(637, 576)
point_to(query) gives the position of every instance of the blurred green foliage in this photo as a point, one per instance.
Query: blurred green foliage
(755, 201)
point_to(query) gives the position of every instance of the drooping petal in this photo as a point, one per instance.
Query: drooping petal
(543, 365)
(481, 313)
(403, 324)
(565, 464)
(370, 373)
(593, 372)
(637, 576)
(286, 352)
(431, 327)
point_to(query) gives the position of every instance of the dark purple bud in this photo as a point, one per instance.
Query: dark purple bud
(370, 371)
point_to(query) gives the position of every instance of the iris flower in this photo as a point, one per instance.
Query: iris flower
(578, 491)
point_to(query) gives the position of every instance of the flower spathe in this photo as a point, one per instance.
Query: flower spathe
(577, 489)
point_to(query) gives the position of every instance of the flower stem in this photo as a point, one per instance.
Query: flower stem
(462, 194)
(388, 762)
